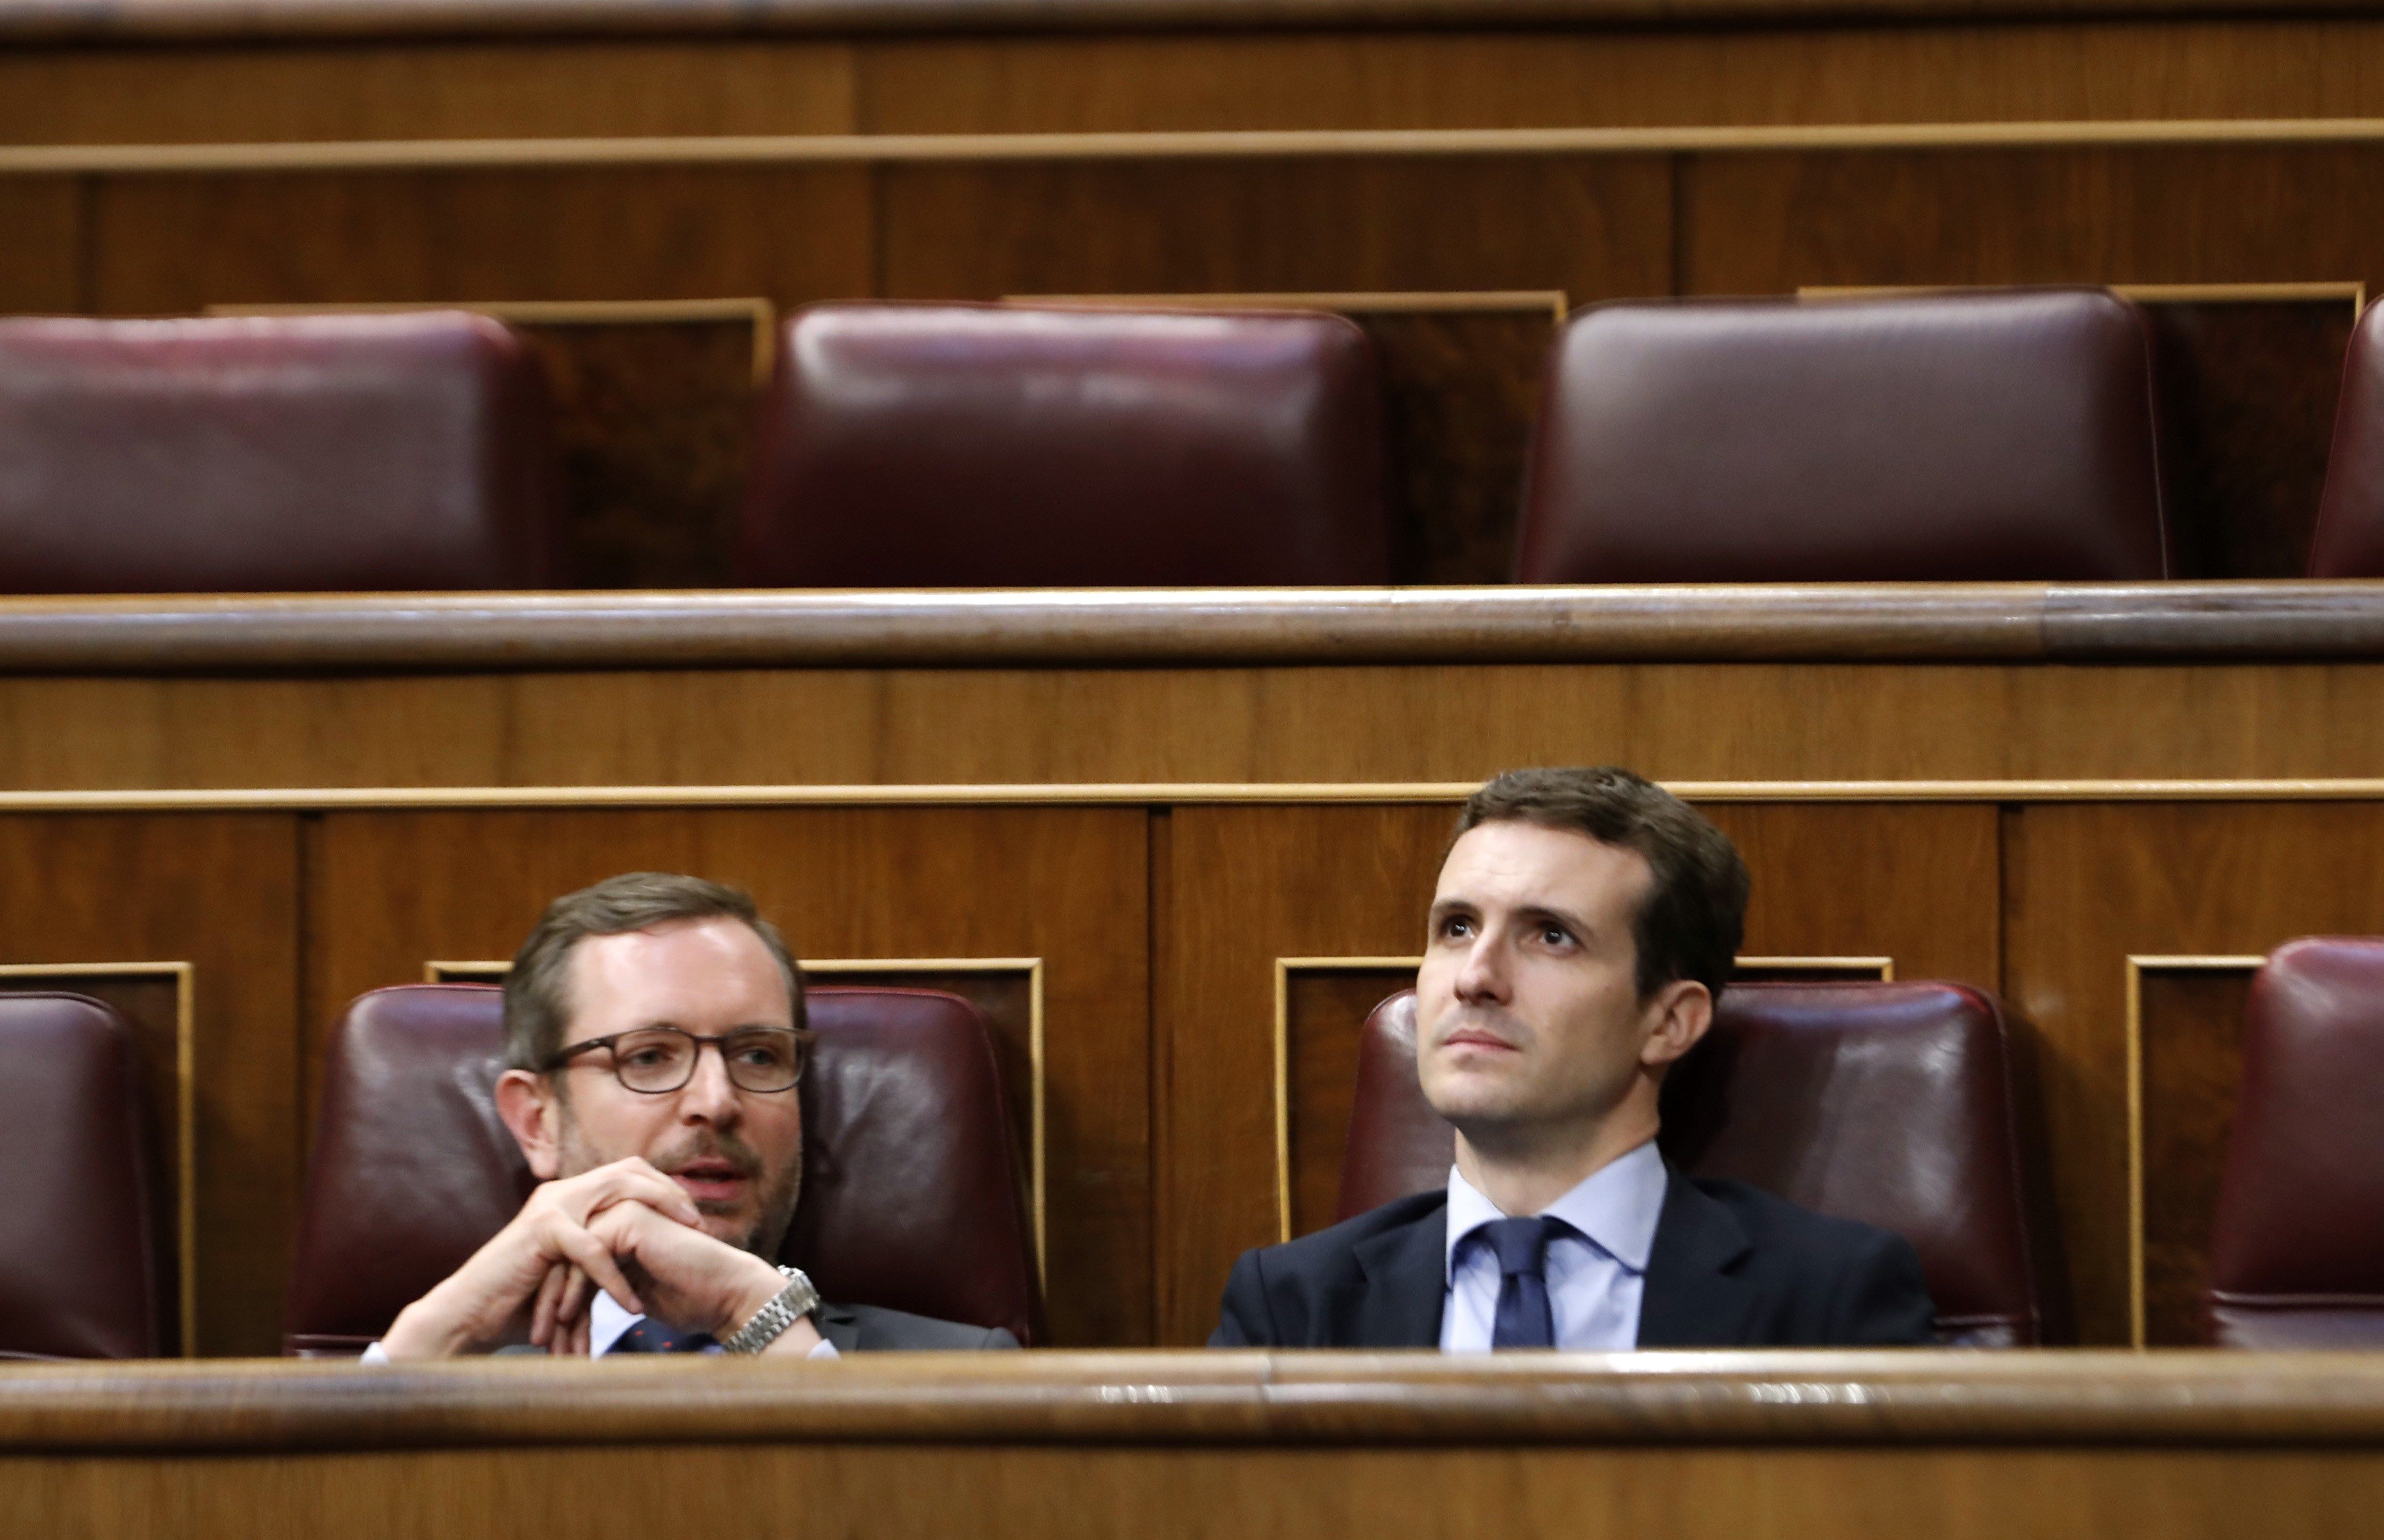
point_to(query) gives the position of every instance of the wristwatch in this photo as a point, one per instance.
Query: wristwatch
(798, 1300)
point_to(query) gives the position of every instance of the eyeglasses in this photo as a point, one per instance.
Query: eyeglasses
(658, 1060)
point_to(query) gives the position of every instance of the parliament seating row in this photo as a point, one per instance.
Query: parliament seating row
(1891, 1103)
(1975, 436)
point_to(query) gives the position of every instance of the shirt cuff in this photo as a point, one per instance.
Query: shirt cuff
(374, 1355)
(825, 1349)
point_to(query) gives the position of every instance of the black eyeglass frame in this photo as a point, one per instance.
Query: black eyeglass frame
(805, 1040)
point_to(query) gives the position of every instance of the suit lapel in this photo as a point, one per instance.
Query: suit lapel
(1405, 1284)
(1693, 1296)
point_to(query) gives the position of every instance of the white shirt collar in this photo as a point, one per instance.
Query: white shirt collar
(606, 1321)
(1616, 1207)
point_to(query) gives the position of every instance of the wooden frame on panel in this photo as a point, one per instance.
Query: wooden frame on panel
(759, 312)
(2137, 966)
(1353, 302)
(186, 1142)
(2353, 290)
(486, 972)
(1284, 968)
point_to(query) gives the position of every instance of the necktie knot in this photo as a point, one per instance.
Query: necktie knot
(1521, 1245)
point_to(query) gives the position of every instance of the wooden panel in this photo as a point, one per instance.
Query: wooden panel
(551, 87)
(40, 260)
(1748, 74)
(220, 892)
(1249, 886)
(165, 243)
(2247, 398)
(1766, 223)
(2189, 1039)
(738, 728)
(1067, 886)
(2089, 886)
(1589, 227)
(1459, 392)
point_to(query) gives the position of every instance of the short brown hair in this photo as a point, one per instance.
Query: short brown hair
(1695, 915)
(537, 1005)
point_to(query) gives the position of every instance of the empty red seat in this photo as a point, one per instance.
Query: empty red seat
(1887, 1103)
(910, 1196)
(984, 446)
(79, 1269)
(1987, 435)
(313, 453)
(2297, 1243)
(2350, 538)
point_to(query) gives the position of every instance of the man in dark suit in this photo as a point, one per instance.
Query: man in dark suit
(654, 1034)
(1584, 923)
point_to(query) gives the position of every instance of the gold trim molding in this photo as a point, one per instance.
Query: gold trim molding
(485, 971)
(1197, 144)
(2137, 966)
(186, 1139)
(1154, 794)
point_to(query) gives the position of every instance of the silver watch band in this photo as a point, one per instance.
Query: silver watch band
(798, 1300)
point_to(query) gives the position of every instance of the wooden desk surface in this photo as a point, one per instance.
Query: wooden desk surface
(1055, 1445)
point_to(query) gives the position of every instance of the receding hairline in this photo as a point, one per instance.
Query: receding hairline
(1642, 869)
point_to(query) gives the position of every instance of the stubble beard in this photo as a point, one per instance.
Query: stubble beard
(777, 1213)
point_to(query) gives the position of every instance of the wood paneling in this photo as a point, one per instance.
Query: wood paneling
(2189, 1041)
(1252, 885)
(2088, 886)
(1326, 1010)
(546, 88)
(1590, 227)
(164, 243)
(220, 892)
(40, 261)
(1067, 886)
(1769, 223)
(853, 726)
(1797, 74)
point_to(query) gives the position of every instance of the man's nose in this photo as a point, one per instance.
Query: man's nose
(1483, 976)
(709, 1095)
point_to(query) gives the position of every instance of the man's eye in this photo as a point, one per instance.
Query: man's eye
(648, 1057)
(1555, 935)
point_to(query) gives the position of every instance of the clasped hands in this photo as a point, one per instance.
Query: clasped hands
(625, 1228)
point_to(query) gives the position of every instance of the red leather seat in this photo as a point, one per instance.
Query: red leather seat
(987, 446)
(2297, 1243)
(2350, 538)
(78, 1263)
(312, 453)
(1998, 435)
(1887, 1103)
(910, 1198)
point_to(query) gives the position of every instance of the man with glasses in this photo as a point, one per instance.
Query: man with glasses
(654, 1037)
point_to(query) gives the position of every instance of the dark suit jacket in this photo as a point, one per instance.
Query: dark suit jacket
(1731, 1267)
(873, 1328)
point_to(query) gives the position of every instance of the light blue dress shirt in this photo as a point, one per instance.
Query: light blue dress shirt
(1594, 1284)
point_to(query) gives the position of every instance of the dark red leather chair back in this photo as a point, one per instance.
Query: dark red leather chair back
(78, 1263)
(2350, 538)
(910, 1195)
(2297, 1244)
(1939, 437)
(1887, 1103)
(987, 446)
(314, 453)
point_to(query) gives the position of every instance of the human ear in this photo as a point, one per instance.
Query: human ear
(1682, 1010)
(526, 1103)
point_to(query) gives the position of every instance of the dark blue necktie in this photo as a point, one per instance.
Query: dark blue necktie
(652, 1336)
(1524, 1319)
